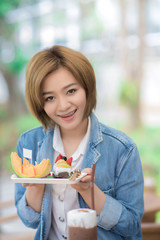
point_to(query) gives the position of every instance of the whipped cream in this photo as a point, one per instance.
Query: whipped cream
(57, 170)
(83, 217)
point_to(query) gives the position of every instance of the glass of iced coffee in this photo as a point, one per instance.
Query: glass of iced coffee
(82, 224)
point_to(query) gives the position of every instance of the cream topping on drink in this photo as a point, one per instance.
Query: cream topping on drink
(85, 218)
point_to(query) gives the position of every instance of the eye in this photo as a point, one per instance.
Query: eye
(71, 91)
(48, 99)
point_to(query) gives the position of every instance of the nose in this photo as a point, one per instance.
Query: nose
(63, 103)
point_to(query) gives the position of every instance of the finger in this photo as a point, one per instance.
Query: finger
(27, 184)
(84, 184)
(81, 186)
(24, 185)
(86, 178)
(87, 170)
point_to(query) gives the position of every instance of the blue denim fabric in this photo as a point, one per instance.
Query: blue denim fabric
(118, 174)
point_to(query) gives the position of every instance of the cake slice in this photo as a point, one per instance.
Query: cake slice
(62, 167)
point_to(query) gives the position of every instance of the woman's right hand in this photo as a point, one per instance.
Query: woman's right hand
(31, 184)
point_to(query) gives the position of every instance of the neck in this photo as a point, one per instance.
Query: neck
(75, 133)
(72, 139)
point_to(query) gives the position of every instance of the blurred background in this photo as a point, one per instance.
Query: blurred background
(121, 38)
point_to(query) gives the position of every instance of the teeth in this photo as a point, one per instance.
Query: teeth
(69, 114)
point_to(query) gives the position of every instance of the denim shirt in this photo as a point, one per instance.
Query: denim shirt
(118, 174)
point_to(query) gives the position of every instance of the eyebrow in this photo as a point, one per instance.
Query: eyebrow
(67, 86)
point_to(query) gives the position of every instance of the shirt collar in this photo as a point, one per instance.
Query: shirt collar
(57, 141)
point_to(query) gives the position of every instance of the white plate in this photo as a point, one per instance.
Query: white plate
(16, 179)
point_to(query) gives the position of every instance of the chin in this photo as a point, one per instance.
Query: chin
(71, 126)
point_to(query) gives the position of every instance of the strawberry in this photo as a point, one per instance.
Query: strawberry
(58, 158)
(69, 161)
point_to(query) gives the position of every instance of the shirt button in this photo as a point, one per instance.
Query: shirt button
(61, 219)
(61, 198)
(64, 237)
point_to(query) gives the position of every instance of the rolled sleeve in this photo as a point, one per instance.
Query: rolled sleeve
(110, 213)
(28, 216)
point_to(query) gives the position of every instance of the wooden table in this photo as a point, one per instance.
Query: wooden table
(151, 200)
(150, 229)
(151, 205)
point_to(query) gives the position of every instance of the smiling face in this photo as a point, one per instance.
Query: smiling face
(64, 100)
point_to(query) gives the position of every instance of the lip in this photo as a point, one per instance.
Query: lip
(68, 116)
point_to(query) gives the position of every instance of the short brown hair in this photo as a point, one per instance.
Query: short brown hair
(49, 60)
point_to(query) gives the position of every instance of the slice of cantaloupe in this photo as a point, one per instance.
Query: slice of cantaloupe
(16, 163)
(25, 162)
(26, 170)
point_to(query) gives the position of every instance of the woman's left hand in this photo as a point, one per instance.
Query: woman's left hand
(84, 189)
(84, 183)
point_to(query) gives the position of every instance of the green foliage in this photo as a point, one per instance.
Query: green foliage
(92, 28)
(158, 217)
(10, 130)
(7, 32)
(25, 123)
(8, 5)
(92, 24)
(147, 140)
(3, 113)
(18, 62)
(60, 17)
(128, 93)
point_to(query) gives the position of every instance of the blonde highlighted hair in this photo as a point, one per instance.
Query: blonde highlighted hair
(49, 60)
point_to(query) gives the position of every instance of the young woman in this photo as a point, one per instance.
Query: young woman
(61, 94)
